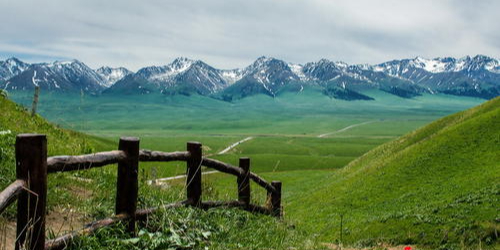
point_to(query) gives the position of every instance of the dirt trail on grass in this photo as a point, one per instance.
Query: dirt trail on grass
(344, 129)
(162, 180)
(59, 223)
(234, 145)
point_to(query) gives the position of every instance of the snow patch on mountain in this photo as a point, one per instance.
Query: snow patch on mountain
(33, 79)
(434, 65)
(112, 75)
(167, 72)
(231, 76)
(297, 69)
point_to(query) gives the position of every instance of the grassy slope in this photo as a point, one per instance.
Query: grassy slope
(60, 141)
(438, 185)
(172, 228)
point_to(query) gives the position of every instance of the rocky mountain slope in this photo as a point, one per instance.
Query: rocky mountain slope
(477, 76)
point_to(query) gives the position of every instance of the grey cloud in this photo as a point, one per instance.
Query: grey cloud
(230, 34)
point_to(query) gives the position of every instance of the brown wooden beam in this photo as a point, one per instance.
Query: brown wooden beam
(263, 183)
(193, 173)
(222, 166)
(244, 181)
(127, 180)
(31, 167)
(10, 193)
(148, 155)
(65, 163)
(276, 199)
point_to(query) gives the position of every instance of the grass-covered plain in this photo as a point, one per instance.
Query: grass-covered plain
(286, 146)
(437, 187)
(285, 129)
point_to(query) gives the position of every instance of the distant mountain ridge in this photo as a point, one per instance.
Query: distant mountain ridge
(57, 76)
(477, 76)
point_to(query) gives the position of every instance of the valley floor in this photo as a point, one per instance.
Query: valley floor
(303, 140)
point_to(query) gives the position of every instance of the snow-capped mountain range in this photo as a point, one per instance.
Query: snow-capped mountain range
(477, 76)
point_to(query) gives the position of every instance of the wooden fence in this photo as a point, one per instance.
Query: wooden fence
(30, 188)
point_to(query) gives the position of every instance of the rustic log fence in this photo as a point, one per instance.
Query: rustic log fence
(30, 188)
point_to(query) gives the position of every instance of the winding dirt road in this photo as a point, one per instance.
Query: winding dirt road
(344, 129)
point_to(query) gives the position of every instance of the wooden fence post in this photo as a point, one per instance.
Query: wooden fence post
(276, 199)
(244, 181)
(35, 101)
(31, 166)
(193, 173)
(127, 183)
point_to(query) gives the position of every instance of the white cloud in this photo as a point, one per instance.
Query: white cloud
(233, 33)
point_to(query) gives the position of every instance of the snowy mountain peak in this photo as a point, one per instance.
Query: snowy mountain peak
(181, 64)
(166, 72)
(12, 67)
(264, 59)
(14, 61)
(264, 62)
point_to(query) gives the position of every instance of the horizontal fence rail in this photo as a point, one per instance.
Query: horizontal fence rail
(9, 194)
(148, 155)
(70, 163)
(30, 188)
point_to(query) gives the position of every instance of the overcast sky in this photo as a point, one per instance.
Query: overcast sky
(233, 33)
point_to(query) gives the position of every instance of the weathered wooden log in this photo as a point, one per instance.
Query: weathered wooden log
(244, 181)
(193, 173)
(81, 162)
(9, 194)
(148, 155)
(62, 241)
(127, 180)
(142, 214)
(263, 183)
(276, 199)
(31, 167)
(222, 166)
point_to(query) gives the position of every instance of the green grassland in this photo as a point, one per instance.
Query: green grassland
(308, 113)
(437, 187)
(284, 128)
(318, 188)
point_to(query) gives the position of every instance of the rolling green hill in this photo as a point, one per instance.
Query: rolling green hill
(172, 228)
(438, 186)
(15, 119)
